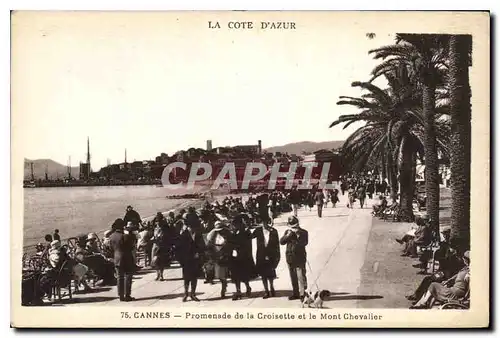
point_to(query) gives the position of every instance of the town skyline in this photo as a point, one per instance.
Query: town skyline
(307, 147)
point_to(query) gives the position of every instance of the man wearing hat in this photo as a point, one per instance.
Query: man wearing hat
(192, 219)
(123, 245)
(219, 248)
(132, 216)
(296, 239)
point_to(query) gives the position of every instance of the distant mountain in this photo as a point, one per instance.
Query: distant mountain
(54, 169)
(306, 146)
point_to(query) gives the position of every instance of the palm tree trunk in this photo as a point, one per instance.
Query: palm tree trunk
(431, 155)
(406, 180)
(460, 150)
(383, 171)
(414, 168)
(391, 176)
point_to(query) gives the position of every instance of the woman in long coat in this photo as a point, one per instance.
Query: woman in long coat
(161, 253)
(242, 266)
(190, 249)
(219, 246)
(334, 197)
(268, 256)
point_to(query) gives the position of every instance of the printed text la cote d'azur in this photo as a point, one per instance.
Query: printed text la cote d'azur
(263, 25)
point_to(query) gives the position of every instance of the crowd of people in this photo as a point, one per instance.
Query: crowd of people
(213, 242)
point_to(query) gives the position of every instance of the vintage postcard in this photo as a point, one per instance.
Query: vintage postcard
(250, 169)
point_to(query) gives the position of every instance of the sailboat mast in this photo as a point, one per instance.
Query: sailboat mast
(32, 172)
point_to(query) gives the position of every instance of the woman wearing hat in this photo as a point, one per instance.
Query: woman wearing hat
(296, 239)
(107, 251)
(92, 244)
(218, 243)
(57, 256)
(161, 252)
(268, 256)
(454, 288)
(449, 265)
(242, 266)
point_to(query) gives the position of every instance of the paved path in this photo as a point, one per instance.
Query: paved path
(336, 253)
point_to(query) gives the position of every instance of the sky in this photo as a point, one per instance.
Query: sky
(162, 82)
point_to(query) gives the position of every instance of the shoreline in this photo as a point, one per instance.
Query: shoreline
(184, 204)
(29, 249)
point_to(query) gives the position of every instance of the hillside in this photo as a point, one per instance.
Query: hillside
(54, 169)
(306, 146)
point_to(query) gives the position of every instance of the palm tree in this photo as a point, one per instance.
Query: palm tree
(460, 153)
(389, 136)
(425, 56)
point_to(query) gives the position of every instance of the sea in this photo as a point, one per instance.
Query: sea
(80, 210)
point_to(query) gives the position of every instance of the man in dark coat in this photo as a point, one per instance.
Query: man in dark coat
(268, 256)
(319, 198)
(123, 245)
(132, 216)
(263, 205)
(192, 219)
(296, 239)
(295, 200)
(191, 248)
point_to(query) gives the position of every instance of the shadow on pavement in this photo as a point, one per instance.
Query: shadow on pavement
(173, 279)
(258, 294)
(97, 299)
(169, 296)
(352, 297)
(94, 290)
(324, 216)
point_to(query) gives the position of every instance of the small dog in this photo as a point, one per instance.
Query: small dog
(315, 300)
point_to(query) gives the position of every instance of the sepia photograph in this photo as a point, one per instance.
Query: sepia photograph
(258, 169)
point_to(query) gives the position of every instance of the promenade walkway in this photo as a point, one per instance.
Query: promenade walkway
(336, 254)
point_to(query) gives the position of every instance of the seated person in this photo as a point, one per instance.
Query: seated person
(380, 206)
(421, 236)
(96, 262)
(394, 205)
(92, 243)
(107, 250)
(440, 253)
(48, 240)
(454, 288)
(40, 250)
(449, 265)
(56, 257)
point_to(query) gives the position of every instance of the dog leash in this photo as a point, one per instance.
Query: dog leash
(328, 260)
(310, 270)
